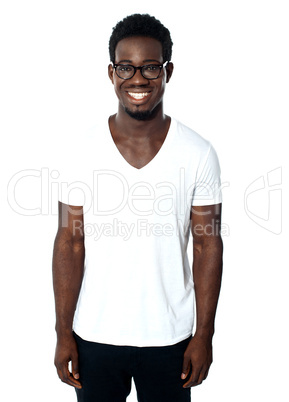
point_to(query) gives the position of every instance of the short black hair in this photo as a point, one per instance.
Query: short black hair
(141, 25)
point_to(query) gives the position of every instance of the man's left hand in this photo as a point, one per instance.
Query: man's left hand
(198, 357)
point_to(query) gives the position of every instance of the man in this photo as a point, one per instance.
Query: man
(120, 255)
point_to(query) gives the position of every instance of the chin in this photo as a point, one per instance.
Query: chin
(140, 115)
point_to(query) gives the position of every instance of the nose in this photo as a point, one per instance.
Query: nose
(138, 79)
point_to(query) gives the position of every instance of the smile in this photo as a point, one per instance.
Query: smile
(138, 96)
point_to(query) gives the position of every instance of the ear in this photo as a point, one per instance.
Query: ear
(169, 69)
(110, 72)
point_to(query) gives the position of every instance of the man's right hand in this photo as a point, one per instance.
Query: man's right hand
(66, 351)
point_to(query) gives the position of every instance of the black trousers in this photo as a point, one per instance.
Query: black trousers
(106, 372)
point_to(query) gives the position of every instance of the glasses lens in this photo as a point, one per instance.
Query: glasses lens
(152, 71)
(124, 71)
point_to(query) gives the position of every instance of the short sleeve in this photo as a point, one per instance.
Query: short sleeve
(207, 190)
(74, 184)
(71, 191)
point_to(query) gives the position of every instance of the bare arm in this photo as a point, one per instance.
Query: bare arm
(68, 266)
(207, 273)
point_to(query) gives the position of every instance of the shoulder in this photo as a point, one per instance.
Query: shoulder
(76, 150)
(83, 141)
(189, 140)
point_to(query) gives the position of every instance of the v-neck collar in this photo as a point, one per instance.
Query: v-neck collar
(157, 156)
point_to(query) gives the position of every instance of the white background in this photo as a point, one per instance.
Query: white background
(230, 84)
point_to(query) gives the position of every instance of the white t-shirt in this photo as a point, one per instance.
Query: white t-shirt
(138, 288)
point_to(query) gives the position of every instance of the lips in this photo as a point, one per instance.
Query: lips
(138, 95)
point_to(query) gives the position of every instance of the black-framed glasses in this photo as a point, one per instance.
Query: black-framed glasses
(149, 71)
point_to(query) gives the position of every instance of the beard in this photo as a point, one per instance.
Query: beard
(139, 115)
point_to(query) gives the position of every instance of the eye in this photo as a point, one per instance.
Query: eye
(124, 68)
(151, 68)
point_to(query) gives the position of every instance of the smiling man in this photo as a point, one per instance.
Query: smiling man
(125, 298)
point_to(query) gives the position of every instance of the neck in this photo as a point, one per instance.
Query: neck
(131, 127)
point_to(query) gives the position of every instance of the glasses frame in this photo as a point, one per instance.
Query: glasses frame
(141, 70)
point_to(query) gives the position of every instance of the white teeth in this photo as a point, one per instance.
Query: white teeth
(138, 95)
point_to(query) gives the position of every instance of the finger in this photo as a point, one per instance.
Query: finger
(66, 377)
(202, 376)
(75, 368)
(187, 384)
(206, 374)
(73, 382)
(186, 367)
(193, 380)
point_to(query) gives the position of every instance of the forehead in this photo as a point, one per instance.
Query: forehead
(139, 49)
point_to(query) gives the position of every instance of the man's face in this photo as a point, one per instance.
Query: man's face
(139, 51)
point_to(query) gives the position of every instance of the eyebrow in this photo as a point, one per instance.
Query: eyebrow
(149, 60)
(144, 61)
(125, 61)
